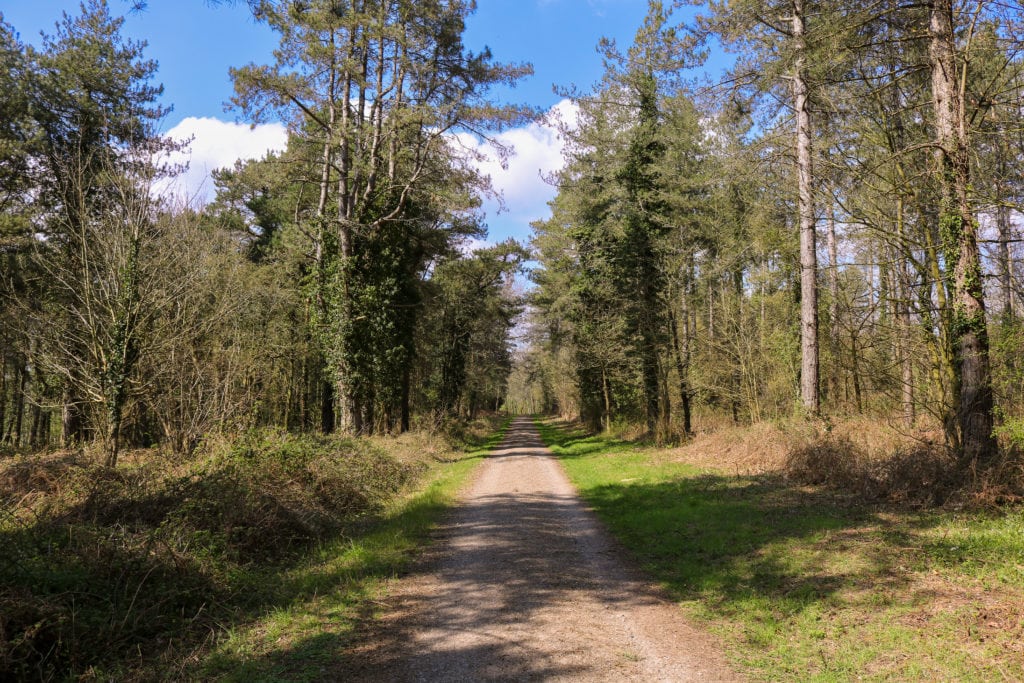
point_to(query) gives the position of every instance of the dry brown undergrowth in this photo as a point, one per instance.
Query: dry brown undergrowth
(869, 458)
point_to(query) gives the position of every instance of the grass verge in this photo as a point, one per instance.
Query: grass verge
(304, 639)
(805, 584)
(251, 560)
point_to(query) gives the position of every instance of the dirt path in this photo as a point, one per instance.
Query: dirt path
(524, 585)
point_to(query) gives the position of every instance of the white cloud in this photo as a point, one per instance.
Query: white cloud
(469, 245)
(216, 144)
(536, 153)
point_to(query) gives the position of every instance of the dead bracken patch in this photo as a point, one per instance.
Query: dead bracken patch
(740, 450)
(868, 459)
(920, 476)
(26, 478)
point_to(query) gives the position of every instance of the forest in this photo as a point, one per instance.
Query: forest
(326, 287)
(215, 411)
(830, 232)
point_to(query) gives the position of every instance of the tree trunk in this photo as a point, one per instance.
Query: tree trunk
(606, 391)
(35, 435)
(369, 426)
(959, 240)
(1005, 263)
(3, 397)
(326, 407)
(739, 333)
(350, 418)
(711, 311)
(833, 307)
(855, 371)
(19, 405)
(649, 367)
(666, 401)
(304, 394)
(406, 380)
(903, 327)
(113, 442)
(944, 385)
(72, 421)
(682, 369)
(808, 252)
(327, 395)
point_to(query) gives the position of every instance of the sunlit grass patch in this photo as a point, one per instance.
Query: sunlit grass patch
(804, 584)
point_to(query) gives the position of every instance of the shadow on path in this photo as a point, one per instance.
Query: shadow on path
(525, 586)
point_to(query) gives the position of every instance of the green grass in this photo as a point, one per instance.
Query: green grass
(801, 584)
(306, 636)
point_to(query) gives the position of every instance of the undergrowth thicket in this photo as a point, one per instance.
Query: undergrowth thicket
(919, 472)
(114, 573)
(871, 458)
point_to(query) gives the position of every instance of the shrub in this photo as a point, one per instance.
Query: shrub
(103, 565)
(920, 475)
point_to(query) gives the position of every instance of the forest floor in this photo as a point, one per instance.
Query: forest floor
(525, 585)
(484, 559)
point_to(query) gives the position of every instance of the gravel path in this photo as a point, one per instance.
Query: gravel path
(524, 585)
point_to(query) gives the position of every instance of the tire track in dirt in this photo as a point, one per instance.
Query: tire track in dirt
(523, 584)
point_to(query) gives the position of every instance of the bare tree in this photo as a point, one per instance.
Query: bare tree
(99, 303)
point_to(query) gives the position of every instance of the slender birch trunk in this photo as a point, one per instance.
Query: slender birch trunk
(833, 306)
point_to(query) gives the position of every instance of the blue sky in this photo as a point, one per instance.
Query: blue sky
(195, 44)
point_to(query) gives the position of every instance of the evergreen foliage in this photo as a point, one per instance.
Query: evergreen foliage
(693, 223)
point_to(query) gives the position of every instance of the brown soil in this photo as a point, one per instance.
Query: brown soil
(524, 585)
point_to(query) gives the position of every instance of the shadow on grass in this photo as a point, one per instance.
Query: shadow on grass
(755, 550)
(115, 599)
(324, 627)
(571, 440)
(523, 578)
(310, 624)
(757, 547)
(518, 555)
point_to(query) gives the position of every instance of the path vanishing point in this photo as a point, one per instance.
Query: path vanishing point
(524, 585)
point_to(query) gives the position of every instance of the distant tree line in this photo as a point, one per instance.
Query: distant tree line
(329, 286)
